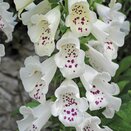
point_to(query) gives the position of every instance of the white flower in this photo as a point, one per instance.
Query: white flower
(70, 58)
(108, 33)
(36, 76)
(111, 15)
(100, 62)
(6, 20)
(99, 29)
(80, 18)
(34, 119)
(2, 51)
(69, 106)
(42, 31)
(42, 8)
(100, 92)
(91, 124)
(107, 48)
(22, 4)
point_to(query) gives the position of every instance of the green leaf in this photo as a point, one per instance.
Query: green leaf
(84, 47)
(32, 104)
(63, 28)
(54, 1)
(122, 84)
(124, 65)
(117, 124)
(125, 112)
(85, 39)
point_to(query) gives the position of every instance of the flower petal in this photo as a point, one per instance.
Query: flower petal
(31, 73)
(21, 4)
(80, 17)
(43, 31)
(88, 76)
(36, 118)
(49, 69)
(42, 8)
(117, 36)
(69, 106)
(113, 106)
(2, 50)
(72, 2)
(70, 59)
(101, 63)
(91, 124)
(107, 48)
(99, 30)
(7, 23)
(37, 76)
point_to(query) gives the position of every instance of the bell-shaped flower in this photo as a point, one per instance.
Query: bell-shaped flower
(111, 15)
(108, 33)
(99, 30)
(42, 8)
(36, 76)
(69, 106)
(116, 36)
(42, 31)
(107, 48)
(70, 58)
(6, 20)
(100, 62)
(34, 119)
(91, 124)
(100, 92)
(22, 4)
(2, 51)
(80, 18)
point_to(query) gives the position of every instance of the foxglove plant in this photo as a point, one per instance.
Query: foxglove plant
(71, 103)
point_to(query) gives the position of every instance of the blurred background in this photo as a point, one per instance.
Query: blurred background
(12, 94)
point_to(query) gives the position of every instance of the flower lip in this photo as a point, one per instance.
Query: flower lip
(72, 87)
(68, 37)
(72, 2)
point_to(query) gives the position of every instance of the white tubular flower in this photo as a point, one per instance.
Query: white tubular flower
(80, 18)
(22, 4)
(91, 124)
(111, 15)
(42, 8)
(34, 119)
(70, 58)
(108, 33)
(107, 48)
(100, 92)
(69, 106)
(100, 62)
(99, 29)
(36, 76)
(42, 31)
(6, 20)
(2, 51)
